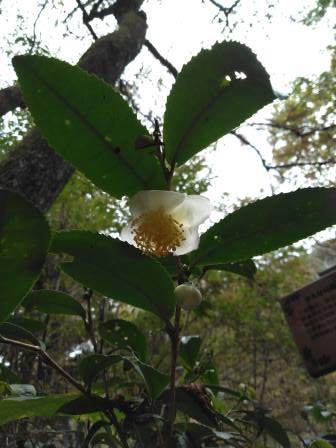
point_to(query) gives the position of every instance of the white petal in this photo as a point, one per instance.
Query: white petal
(127, 235)
(146, 200)
(190, 243)
(193, 211)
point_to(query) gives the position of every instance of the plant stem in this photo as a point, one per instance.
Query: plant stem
(175, 339)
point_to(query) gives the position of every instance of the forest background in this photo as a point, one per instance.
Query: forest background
(289, 144)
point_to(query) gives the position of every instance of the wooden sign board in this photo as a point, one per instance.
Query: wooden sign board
(311, 316)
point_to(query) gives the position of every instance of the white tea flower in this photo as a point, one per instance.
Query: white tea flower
(165, 222)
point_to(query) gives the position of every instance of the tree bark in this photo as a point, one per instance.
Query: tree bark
(33, 168)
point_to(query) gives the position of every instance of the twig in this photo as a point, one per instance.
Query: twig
(86, 20)
(34, 27)
(174, 334)
(172, 70)
(295, 131)
(175, 340)
(47, 359)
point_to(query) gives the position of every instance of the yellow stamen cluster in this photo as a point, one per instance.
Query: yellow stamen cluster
(157, 233)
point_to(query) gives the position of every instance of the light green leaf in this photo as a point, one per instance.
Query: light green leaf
(117, 270)
(53, 302)
(24, 241)
(209, 98)
(266, 225)
(12, 409)
(23, 390)
(245, 268)
(321, 443)
(121, 333)
(89, 124)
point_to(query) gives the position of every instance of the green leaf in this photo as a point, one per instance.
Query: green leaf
(32, 325)
(12, 409)
(84, 405)
(93, 431)
(276, 431)
(24, 241)
(189, 349)
(321, 443)
(117, 270)
(210, 375)
(204, 104)
(266, 225)
(89, 124)
(155, 381)
(192, 403)
(15, 332)
(7, 375)
(53, 302)
(245, 268)
(121, 333)
(91, 366)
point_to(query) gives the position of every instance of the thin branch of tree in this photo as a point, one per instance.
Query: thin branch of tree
(295, 131)
(226, 10)
(246, 142)
(35, 24)
(86, 20)
(160, 58)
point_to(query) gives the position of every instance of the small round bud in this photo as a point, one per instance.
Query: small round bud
(188, 296)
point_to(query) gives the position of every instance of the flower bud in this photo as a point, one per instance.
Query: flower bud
(188, 296)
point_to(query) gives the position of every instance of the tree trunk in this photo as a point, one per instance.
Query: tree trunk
(33, 168)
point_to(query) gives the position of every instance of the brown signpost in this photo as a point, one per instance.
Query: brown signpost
(311, 316)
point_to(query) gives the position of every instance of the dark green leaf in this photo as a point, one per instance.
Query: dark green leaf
(105, 439)
(189, 349)
(121, 333)
(117, 270)
(7, 375)
(266, 225)
(226, 390)
(92, 432)
(91, 366)
(84, 405)
(192, 403)
(246, 268)
(155, 381)
(204, 309)
(12, 409)
(53, 302)
(276, 431)
(209, 374)
(32, 325)
(204, 104)
(24, 241)
(12, 331)
(89, 124)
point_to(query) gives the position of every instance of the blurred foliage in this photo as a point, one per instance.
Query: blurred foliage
(319, 11)
(303, 129)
